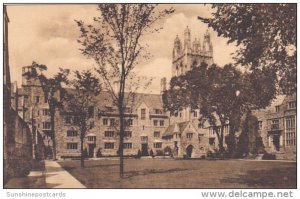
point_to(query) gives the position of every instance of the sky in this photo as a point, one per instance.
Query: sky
(48, 35)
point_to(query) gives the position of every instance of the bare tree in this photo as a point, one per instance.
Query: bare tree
(81, 102)
(114, 42)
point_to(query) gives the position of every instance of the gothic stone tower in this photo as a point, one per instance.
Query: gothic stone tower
(190, 53)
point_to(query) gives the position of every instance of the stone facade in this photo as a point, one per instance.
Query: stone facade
(146, 124)
(277, 126)
(190, 54)
(17, 135)
(149, 128)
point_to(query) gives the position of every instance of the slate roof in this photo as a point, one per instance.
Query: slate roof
(153, 101)
(171, 130)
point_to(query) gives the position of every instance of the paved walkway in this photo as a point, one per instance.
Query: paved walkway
(57, 177)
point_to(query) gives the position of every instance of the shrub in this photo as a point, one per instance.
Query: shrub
(139, 154)
(159, 153)
(151, 153)
(268, 156)
(99, 154)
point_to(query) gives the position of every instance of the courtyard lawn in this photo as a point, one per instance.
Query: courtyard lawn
(169, 173)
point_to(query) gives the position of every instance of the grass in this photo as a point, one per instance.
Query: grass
(169, 173)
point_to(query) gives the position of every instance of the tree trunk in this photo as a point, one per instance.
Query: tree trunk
(121, 117)
(82, 155)
(52, 115)
(221, 140)
(121, 146)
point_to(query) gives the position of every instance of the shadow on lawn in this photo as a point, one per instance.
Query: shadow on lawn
(70, 168)
(131, 174)
(273, 178)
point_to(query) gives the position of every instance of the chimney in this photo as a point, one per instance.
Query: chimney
(116, 86)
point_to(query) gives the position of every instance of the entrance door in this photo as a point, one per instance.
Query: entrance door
(91, 150)
(145, 149)
(189, 151)
(276, 142)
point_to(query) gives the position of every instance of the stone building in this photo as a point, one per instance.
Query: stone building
(189, 54)
(17, 134)
(277, 126)
(145, 121)
(148, 126)
(186, 135)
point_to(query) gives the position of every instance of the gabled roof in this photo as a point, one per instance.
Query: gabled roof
(169, 131)
(105, 99)
(176, 128)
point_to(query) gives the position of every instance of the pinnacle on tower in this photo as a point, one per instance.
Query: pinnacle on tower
(187, 38)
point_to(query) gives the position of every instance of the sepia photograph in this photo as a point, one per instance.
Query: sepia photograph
(151, 96)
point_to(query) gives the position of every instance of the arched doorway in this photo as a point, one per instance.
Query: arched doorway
(189, 151)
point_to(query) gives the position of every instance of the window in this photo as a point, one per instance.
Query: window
(76, 120)
(226, 129)
(112, 122)
(162, 123)
(72, 145)
(143, 114)
(211, 141)
(91, 138)
(291, 139)
(127, 134)
(127, 110)
(45, 111)
(109, 134)
(211, 131)
(189, 135)
(105, 121)
(156, 134)
(91, 111)
(290, 123)
(157, 145)
(109, 109)
(155, 122)
(275, 124)
(68, 120)
(37, 99)
(277, 109)
(109, 145)
(92, 124)
(200, 125)
(158, 111)
(46, 125)
(292, 105)
(127, 145)
(144, 138)
(45, 100)
(130, 122)
(179, 114)
(38, 112)
(72, 133)
(195, 113)
(259, 125)
(176, 114)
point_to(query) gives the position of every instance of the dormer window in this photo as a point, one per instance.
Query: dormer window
(292, 105)
(127, 110)
(37, 99)
(158, 111)
(277, 109)
(143, 114)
